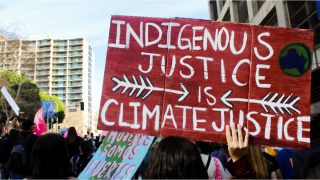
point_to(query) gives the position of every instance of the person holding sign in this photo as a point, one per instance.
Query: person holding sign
(26, 139)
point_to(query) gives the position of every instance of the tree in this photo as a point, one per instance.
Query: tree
(61, 113)
(17, 56)
(27, 99)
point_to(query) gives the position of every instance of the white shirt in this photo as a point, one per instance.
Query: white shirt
(212, 167)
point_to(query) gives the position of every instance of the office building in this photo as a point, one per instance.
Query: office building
(289, 14)
(63, 68)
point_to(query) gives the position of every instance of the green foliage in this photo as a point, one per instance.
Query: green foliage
(28, 99)
(61, 112)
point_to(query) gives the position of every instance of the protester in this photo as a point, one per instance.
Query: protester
(213, 165)
(49, 159)
(5, 151)
(311, 169)
(97, 142)
(270, 151)
(239, 166)
(73, 142)
(284, 159)
(176, 158)
(22, 142)
(80, 161)
(260, 165)
(273, 161)
(300, 156)
(220, 153)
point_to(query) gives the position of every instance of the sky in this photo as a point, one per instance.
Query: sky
(91, 20)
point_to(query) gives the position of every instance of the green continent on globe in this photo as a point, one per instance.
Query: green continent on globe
(295, 59)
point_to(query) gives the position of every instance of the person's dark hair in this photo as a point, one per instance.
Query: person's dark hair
(311, 167)
(85, 147)
(216, 146)
(71, 136)
(176, 158)
(49, 158)
(204, 147)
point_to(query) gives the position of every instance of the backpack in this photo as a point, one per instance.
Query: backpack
(80, 162)
(18, 156)
(5, 149)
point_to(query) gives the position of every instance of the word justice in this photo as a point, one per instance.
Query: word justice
(205, 60)
(282, 125)
(216, 43)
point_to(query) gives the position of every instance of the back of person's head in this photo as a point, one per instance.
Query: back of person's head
(49, 158)
(85, 147)
(311, 168)
(71, 136)
(204, 147)
(27, 125)
(176, 158)
(255, 157)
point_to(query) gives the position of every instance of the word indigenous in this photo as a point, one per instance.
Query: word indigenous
(190, 78)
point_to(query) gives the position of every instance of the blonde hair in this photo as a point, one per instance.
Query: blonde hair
(255, 157)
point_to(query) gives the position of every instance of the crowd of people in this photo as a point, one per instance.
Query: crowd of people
(24, 155)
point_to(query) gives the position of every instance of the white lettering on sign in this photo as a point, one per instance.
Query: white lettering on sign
(234, 74)
(117, 44)
(183, 39)
(168, 45)
(146, 113)
(258, 78)
(196, 38)
(147, 42)
(266, 44)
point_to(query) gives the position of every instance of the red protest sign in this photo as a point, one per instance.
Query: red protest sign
(191, 77)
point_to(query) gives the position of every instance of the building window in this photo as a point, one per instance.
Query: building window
(260, 3)
(299, 11)
(242, 11)
(214, 10)
(271, 19)
(227, 16)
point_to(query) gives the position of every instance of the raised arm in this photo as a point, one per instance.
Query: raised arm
(12, 124)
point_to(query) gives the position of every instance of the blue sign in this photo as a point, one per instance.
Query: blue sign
(50, 106)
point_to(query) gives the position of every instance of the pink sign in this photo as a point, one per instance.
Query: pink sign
(4, 129)
(40, 125)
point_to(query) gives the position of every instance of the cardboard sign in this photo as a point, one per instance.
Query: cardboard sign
(40, 125)
(118, 157)
(10, 100)
(190, 78)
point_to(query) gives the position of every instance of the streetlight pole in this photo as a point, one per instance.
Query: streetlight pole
(57, 115)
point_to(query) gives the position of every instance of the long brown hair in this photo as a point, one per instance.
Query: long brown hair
(255, 157)
(72, 135)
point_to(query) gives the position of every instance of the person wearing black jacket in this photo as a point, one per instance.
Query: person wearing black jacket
(73, 142)
(17, 170)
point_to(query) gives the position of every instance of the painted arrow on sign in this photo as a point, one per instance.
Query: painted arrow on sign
(127, 84)
(271, 103)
